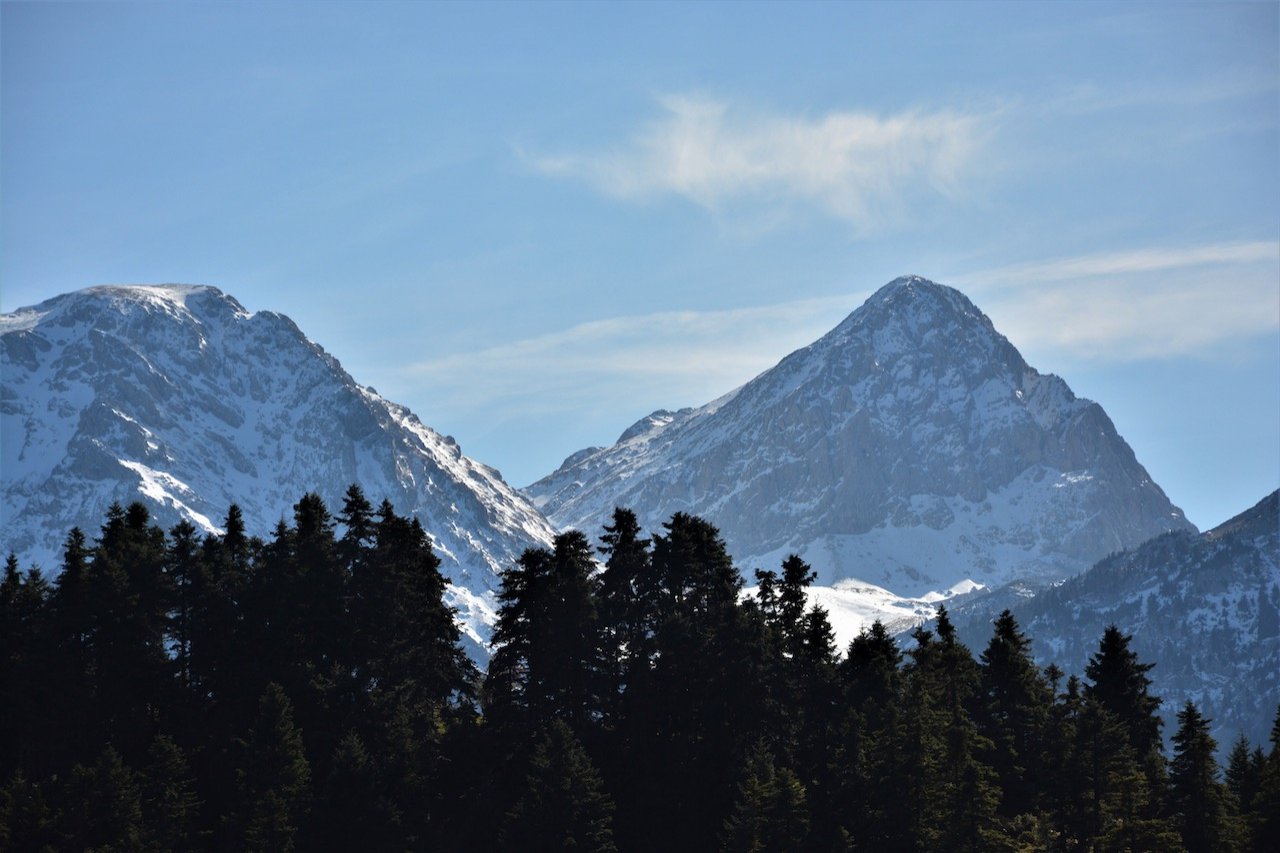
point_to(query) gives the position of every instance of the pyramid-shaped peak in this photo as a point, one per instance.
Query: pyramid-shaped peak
(912, 312)
(911, 447)
(908, 282)
(910, 292)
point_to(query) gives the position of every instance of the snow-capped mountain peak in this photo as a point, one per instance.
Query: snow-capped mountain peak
(178, 396)
(910, 447)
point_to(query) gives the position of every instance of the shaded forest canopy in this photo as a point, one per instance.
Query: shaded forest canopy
(171, 691)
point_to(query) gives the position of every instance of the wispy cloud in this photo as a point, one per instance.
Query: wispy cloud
(1115, 307)
(1126, 262)
(1088, 98)
(860, 167)
(676, 358)
(1139, 304)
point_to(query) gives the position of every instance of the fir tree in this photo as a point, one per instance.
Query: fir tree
(71, 632)
(1013, 708)
(870, 674)
(627, 604)
(1243, 779)
(564, 805)
(218, 661)
(1059, 789)
(132, 673)
(694, 573)
(28, 678)
(416, 660)
(694, 716)
(187, 578)
(170, 805)
(1111, 802)
(274, 779)
(548, 662)
(351, 812)
(358, 533)
(1266, 802)
(1242, 776)
(1119, 683)
(871, 733)
(26, 820)
(770, 814)
(1197, 797)
(104, 806)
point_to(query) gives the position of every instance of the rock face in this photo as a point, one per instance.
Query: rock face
(911, 447)
(1204, 608)
(179, 397)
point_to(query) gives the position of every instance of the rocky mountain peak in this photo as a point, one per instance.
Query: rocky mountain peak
(910, 447)
(177, 396)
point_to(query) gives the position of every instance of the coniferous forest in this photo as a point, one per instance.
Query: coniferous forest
(177, 691)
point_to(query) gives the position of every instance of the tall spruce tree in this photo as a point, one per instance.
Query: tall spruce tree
(548, 662)
(1197, 798)
(170, 804)
(869, 735)
(417, 658)
(1119, 683)
(1266, 803)
(132, 673)
(69, 734)
(187, 579)
(351, 812)
(1012, 710)
(104, 806)
(1242, 775)
(564, 805)
(28, 677)
(770, 813)
(704, 702)
(627, 605)
(274, 779)
(27, 821)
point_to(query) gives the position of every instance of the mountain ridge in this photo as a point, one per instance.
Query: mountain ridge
(1204, 607)
(910, 439)
(178, 396)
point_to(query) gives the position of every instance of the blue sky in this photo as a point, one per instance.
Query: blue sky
(534, 224)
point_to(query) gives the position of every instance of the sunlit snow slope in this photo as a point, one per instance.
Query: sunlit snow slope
(179, 397)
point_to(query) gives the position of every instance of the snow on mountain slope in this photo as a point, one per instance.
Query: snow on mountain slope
(910, 448)
(179, 397)
(852, 607)
(1205, 608)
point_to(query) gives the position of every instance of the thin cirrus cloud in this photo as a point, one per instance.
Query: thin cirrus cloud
(1138, 304)
(1115, 307)
(674, 358)
(1132, 261)
(856, 166)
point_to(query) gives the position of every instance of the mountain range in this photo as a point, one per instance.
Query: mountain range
(910, 455)
(179, 397)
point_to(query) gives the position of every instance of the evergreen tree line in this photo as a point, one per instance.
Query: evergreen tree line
(308, 691)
